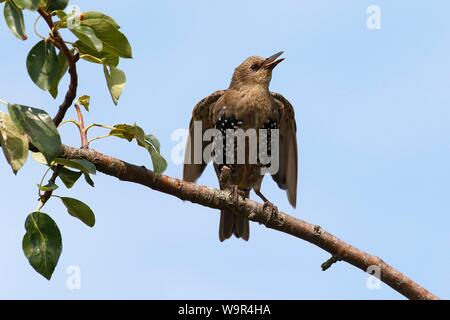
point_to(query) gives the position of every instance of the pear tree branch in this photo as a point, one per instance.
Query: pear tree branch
(70, 96)
(213, 198)
(72, 59)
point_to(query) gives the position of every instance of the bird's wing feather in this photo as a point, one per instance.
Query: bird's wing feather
(201, 112)
(286, 178)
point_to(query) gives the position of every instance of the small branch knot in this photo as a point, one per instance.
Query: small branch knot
(327, 264)
(318, 230)
(272, 216)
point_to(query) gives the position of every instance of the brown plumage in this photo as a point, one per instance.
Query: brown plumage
(246, 104)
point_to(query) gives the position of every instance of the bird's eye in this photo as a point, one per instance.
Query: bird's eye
(254, 67)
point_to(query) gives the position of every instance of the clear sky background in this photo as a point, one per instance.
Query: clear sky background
(372, 109)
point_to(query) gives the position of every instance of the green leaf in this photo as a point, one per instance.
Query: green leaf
(14, 20)
(115, 79)
(153, 141)
(42, 243)
(53, 5)
(89, 181)
(39, 127)
(159, 163)
(21, 4)
(39, 158)
(85, 101)
(128, 132)
(34, 5)
(63, 66)
(88, 37)
(82, 165)
(14, 143)
(94, 56)
(79, 210)
(60, 14)
(48, 187)
(89, 17)
(27, 4)
(43, 64)
(149, 142)
(69, 177)
(114, 41)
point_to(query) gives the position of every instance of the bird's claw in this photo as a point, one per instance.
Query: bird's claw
(235, 193)
(272, 209)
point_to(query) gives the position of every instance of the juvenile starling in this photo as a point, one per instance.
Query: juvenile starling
(246, 104)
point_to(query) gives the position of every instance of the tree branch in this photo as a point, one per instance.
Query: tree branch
(82, 128)
(71, 60)
(217, 199)
(70, 96)
(47, 194)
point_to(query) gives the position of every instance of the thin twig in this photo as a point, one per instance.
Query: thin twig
(327, 264)
(81, 127)
(47, 194)
(99, 137)
(98, 126)
(71, 60)
(68, 121)
(42, 180)
(71, 91)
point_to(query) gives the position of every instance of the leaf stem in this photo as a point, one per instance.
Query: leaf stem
(40, 205)
(99, 126)
(92, 57)
(35, 28)
(47, 194)
(98, 138)
(42, 181)
(69, 121)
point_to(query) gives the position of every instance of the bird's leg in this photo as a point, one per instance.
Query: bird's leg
(225, 177)
(267, 204)
(235, 192)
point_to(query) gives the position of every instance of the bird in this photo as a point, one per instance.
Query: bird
(246, 104)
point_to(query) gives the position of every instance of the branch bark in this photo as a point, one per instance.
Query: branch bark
(283, 222)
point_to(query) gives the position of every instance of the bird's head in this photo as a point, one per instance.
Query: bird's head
(255, 71)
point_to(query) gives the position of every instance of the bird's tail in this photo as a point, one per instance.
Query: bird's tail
(233, 223)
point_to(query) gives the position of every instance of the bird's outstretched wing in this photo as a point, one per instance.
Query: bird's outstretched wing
(286, 178)
(201, 113)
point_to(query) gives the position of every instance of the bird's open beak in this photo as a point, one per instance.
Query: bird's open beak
(272, 61)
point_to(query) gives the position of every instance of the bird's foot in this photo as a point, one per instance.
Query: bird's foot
(272, 209)
(236, 193)
(270, 206)
(225, 176)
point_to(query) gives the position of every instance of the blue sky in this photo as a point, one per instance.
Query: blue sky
(372, 108)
